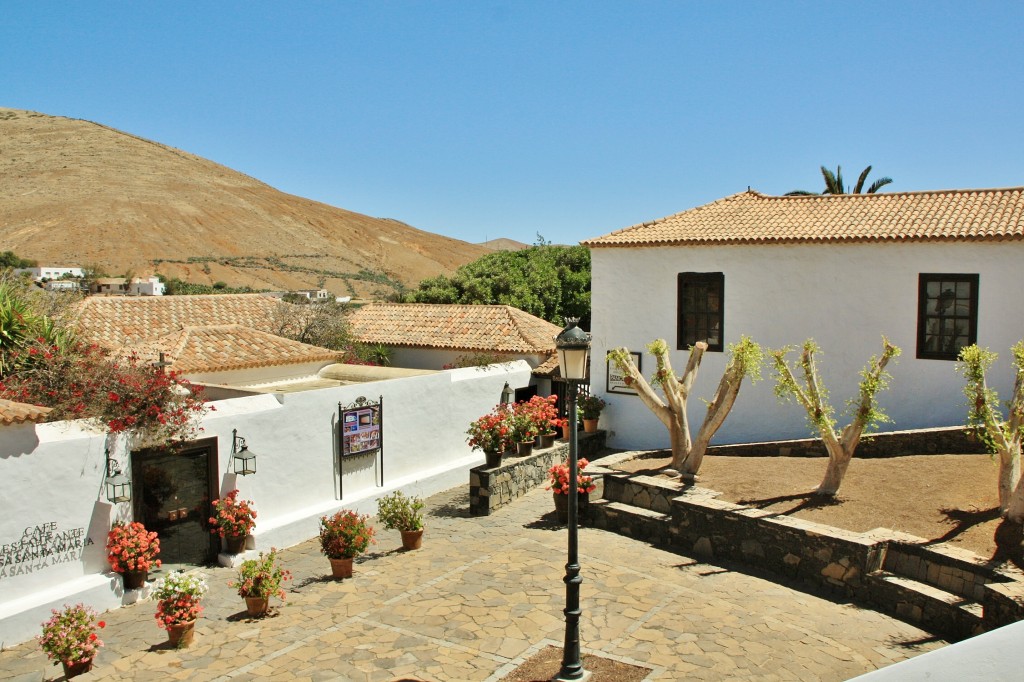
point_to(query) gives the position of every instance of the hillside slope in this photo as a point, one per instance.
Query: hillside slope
(79, 193)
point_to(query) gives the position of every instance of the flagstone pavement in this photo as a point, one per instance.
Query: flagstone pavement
(484, 594)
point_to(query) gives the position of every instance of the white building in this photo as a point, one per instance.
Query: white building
(933, 271)
(146, 286)
(51, 272)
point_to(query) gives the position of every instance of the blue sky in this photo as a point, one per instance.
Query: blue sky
(479, 120)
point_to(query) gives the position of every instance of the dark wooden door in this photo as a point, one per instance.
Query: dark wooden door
(172, 490)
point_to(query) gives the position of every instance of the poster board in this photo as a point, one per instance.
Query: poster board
(616, 380)
(361, 424)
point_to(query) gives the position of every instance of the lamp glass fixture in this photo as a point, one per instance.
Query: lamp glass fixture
(119, 486)
(244, 459)
(573, 346)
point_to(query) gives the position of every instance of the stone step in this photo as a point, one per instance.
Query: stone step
(625, 519)
(934, 609)
(947, 568)
(637, 490)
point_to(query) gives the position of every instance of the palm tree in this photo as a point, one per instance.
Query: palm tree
(834, 183)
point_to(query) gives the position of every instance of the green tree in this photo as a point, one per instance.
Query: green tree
(1002, 435)
(551, 282)
(834, 183)
(9, 260)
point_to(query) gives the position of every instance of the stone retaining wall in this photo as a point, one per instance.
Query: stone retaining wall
(954, 440)
(934, 586)
(491, 489)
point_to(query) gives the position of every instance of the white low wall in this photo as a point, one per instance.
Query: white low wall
(55, 516)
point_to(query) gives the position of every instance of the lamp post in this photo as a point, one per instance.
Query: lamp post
(573, 345)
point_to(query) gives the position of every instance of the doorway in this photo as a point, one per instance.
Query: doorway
(172, 490)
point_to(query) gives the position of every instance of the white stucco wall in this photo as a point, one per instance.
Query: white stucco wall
(52, 476)
(845, 296)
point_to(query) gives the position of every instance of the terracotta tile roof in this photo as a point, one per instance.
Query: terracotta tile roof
(751, 218)
(227, 347)
(17, 413)
(114, 322)
(495, 328)
(548, 368)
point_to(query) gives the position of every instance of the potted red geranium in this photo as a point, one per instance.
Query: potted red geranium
(132, 551)
(233, 520)
(344, 536)
(558, 484)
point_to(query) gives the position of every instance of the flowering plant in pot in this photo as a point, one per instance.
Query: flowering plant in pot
(405, 514)
(259, 580)
(558, 478)
(178, 605)
(590, 407)
(344, 536)
(132, 551)
(558, 484)
(492, 433)
(523, 430)
(233, 519)
(69, 637)
(543, 413)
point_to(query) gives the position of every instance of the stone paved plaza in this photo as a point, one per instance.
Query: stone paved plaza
(484, 594)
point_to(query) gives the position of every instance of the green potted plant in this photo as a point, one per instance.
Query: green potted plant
(132, 551)
(69, 637)
(405, 514)
(590, 409)
(259, 580)
(233, 520)
(344, 536)
(177, 605)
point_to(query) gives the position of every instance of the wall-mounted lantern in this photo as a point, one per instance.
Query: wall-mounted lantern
(244, 459)
(119, 486)
(507, 394)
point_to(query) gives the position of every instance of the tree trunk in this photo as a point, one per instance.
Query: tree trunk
(838, 462)
(718, 410)
(1011, 494)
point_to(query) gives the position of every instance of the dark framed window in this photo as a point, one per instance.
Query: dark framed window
(947, 315)
(700, 309)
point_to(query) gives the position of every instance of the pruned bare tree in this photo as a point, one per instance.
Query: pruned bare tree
(687, 455)
(813, 396)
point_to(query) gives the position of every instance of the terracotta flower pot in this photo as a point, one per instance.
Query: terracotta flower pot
(257, 606)
(341, 568)
(547, 440)
(524, 448)
(180, 635)
(76, 668)
(412, 539)
(134, 580)
(589, 425)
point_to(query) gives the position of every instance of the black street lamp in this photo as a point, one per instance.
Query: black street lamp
(573, 345)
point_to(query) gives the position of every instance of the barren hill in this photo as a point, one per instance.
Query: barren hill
(73, 192)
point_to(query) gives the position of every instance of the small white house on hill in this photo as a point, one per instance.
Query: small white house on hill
(933, 271)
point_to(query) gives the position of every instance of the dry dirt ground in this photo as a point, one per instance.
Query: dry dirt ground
(942, 498)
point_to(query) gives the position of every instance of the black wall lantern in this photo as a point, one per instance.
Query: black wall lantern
(119, 487)
(507, 394)
(243, 458)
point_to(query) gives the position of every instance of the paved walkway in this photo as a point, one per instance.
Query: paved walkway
(483, 595)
